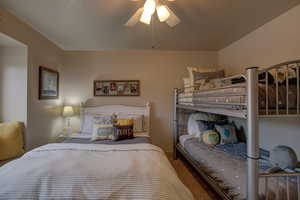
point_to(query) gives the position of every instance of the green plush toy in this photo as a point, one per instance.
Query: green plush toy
(210, 137)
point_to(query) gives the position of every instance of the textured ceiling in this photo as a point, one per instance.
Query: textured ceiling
(98, 24)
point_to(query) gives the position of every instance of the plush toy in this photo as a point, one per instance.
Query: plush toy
(283, 158)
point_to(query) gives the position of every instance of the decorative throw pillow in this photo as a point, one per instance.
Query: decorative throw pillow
(104, 119)
(227, 133)
(103, 132)
(11, 140)
(122, 132)
(210, 137)
(103, 128)
(89, 120)
(138, 121)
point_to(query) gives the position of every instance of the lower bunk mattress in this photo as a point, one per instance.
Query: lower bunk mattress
(228, 167)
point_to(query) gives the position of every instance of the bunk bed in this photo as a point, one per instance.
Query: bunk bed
(260, 93)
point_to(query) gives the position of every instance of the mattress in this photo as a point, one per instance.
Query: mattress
(220, 164)
(227, 165)
(136, 140)
(235, 96)
(92, 171)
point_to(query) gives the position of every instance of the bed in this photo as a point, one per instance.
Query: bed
(227, 165)
(260, 93)
(80, 169)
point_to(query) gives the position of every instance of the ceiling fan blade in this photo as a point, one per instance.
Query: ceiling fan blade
(173, 20)
(135, 18)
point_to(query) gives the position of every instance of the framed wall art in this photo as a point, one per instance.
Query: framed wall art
(117, 88)
(48, 83)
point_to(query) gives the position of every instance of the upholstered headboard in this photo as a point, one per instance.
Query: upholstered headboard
(92, 108)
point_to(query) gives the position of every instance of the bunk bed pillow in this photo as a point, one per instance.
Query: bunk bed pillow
(198, 122)
(208, 75)
(227, 133)
(210, 137)
(191, 70)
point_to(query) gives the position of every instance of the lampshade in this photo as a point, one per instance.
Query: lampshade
(149, 7)
(145, 18)
(68, 111)
(163, 13)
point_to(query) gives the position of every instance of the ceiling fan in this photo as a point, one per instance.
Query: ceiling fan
(144, 14)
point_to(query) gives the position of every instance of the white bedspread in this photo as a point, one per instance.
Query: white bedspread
(87, 171)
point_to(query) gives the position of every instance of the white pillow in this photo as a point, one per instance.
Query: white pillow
(193, 127)
(138, 121)
(87, 124)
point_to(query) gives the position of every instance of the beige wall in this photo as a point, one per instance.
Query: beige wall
(43, 121)
(275, 42)
(13, 83)
(158, 71)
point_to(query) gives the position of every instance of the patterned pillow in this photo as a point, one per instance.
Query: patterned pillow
(103, 132)
(103, 127)
(208, 75)
(122, 132)
(227, 133)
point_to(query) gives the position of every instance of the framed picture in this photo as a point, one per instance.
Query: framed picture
(48, 83)
(117, 88)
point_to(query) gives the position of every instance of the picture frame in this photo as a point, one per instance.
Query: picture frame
(116, 88)
(48, 83)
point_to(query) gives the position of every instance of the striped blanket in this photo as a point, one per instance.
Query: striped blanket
(92, 171)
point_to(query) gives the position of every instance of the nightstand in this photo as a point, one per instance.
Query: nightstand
(64, 136)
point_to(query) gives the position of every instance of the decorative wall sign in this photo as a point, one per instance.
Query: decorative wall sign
(117, 88)
(48, 83)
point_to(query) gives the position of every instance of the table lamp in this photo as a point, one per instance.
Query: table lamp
(68, 112)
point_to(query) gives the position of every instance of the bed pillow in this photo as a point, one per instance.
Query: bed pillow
(227, 133)
(103, 132)
(122, 132)
(208, 75)
(103, 127)
(87, 124)
(11, 140)
(138, 121)
(210, 137)
(191, 70)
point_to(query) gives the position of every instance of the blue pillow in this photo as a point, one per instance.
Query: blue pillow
(227, 133)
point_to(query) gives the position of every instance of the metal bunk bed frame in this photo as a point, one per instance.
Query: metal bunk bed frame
(252, 116)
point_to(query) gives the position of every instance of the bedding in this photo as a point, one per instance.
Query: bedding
(135, 140)
(227, 164)
(92, 171)
(236, 96)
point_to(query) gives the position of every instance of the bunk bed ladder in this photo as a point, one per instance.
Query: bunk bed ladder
(253, 139)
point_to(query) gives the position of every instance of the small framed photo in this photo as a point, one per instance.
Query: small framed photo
(48, 83)
(117, 88)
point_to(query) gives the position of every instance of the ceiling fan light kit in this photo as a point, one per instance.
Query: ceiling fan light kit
(163, 13)
(144, 14)
(146, 18)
